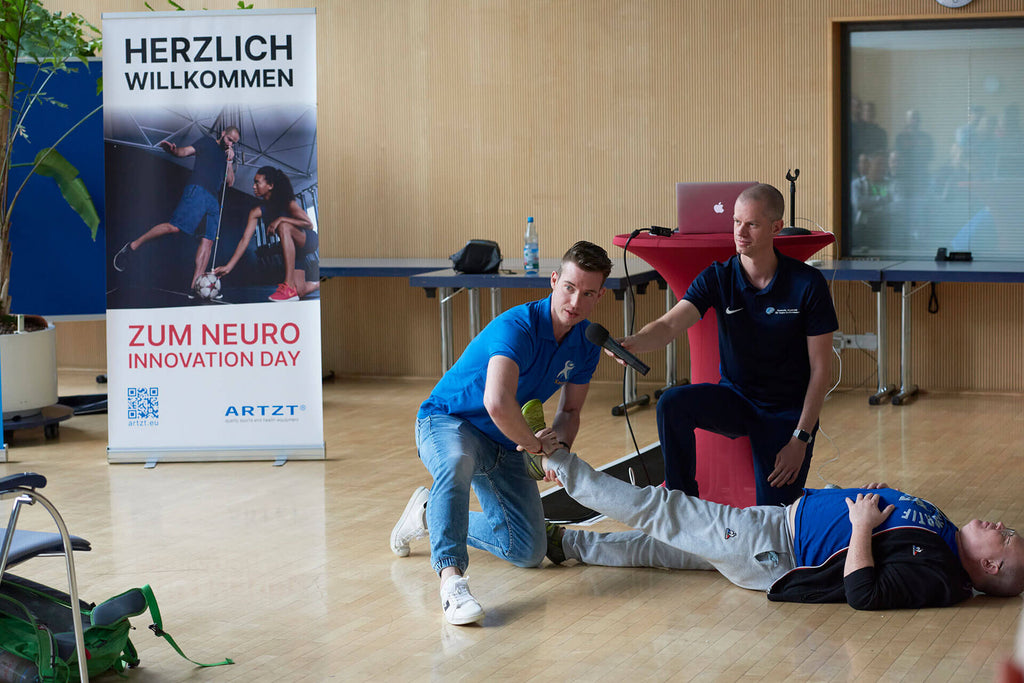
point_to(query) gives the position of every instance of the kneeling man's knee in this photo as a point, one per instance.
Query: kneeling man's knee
(532, 553)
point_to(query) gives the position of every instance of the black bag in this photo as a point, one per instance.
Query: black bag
(478, 256)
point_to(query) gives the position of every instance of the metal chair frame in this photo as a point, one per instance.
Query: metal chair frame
(23, 487)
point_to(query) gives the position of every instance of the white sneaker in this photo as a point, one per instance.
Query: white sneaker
(459, 605)
(412, 524)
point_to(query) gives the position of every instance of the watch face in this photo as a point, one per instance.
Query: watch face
(953, 3)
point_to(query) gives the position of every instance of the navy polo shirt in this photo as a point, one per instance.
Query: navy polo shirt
(762, 334)
(209, 166)
(525, 334)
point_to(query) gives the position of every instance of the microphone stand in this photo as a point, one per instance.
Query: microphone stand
(791, 177)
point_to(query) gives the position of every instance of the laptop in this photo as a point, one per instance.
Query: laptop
(707, 207)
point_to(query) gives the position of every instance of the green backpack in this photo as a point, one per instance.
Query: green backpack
(37, 639)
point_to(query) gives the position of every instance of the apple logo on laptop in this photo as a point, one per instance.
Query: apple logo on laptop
(719, 208)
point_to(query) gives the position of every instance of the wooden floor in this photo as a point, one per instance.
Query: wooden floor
(287, 569)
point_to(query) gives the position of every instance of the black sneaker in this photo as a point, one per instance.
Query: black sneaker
(123, 257)
(554, 533)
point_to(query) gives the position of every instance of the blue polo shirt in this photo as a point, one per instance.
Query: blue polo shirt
(524, 334)
(823, 526)
(762, 334)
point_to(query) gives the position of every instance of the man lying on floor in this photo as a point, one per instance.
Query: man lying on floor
(875, 548)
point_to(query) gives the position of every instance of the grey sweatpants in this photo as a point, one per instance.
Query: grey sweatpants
(752, 547)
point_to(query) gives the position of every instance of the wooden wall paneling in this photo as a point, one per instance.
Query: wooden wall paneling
(378, 327)
(974, 339)
(82, 344)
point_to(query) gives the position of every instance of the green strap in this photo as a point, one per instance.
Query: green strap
(157, 627)
(46, 660)
(128, 659)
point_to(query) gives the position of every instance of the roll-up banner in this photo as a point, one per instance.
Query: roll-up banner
(213, 310)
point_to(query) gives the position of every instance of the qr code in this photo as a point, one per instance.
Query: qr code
(143, 403)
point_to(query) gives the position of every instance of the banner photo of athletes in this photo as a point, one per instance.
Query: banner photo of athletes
(213, 309)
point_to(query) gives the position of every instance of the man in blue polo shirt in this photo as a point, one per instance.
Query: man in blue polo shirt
(873, 548)
(469, 429)
(775, 324)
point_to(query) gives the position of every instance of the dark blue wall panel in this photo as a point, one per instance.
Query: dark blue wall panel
(57, 268)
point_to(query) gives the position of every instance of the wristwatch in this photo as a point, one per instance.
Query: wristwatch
(802, 435)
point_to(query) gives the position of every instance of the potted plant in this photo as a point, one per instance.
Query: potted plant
(51, 42)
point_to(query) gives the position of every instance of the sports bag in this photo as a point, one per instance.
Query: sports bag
(478, 256)
(37, 639)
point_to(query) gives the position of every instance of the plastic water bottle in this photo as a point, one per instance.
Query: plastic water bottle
(531, 248)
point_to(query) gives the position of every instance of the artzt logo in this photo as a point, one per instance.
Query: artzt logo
(264, 413)
(719, 208)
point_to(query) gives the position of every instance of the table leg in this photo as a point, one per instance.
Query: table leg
(627, 316)
(474, 312)
(444, 296)
(630, 374)
(885, 390)
(907, 388)
(495, 302)
(670, 353)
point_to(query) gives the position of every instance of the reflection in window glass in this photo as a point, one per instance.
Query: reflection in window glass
(932, 142)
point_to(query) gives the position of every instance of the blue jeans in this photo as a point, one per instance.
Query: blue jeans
(721, 409)
(459, 456)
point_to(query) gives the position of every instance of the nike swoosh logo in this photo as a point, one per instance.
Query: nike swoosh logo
(730, 311)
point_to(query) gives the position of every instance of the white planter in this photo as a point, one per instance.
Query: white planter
(28, 371)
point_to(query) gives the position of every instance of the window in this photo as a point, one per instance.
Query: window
(933, 148)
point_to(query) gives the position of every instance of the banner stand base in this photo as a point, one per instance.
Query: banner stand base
(150, 457)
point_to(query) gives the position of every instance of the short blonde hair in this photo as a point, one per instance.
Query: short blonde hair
(768, 197)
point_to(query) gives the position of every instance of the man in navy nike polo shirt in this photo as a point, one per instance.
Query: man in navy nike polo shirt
(775, 325)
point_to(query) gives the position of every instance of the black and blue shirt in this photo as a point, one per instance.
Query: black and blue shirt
(823, 521)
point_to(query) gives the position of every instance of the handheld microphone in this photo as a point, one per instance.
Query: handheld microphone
(597, 334)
